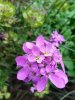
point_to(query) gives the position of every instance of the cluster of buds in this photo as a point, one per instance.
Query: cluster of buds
(40, 62)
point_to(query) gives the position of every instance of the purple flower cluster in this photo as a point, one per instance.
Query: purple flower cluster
(40, 62)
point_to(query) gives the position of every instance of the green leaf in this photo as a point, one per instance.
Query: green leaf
(71, 73)
(68, 63)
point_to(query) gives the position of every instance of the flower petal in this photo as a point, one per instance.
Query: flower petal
(35, 51)
(34, 67)
(43, 71)
(31, 58)
(62, 75)
(27, 47)
(21, 60)
(22, 74)
(48, 46)
(27, 79)
(41, 84)
(43, 49)
(50, 49)
(35, 79)
(40, 41)
(48, 69)
(32, 89)
(57, 81)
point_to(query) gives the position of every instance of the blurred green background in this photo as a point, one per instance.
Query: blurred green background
(24, 20)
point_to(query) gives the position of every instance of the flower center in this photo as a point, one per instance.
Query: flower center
(37, 57)
(46, 53)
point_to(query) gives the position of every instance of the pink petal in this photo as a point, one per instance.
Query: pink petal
(40, 41)
(31, 58)
(32, 89)
(47, 42)
(20, 60)
(22, 74)
(35, 51)
(34, 67)
(48, 69)
(57, 81)
(43, 49)
(48, 47)
(27, 47)
(43, 71)
(41, 84)
(62, 75)
(35, 79)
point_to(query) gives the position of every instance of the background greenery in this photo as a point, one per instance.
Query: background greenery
(23, 20)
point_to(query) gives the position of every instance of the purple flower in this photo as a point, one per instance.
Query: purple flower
(47, 49)
(56, 38)
(35, 55)
(40, 62)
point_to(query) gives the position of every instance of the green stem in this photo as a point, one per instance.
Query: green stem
(67, 95)
(69, 48)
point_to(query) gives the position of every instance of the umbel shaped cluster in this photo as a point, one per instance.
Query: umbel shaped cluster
(40, 63)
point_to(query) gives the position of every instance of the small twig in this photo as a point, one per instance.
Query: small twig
(69, 48)
(69, 60)
(67, 95)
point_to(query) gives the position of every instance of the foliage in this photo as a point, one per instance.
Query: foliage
(4, 93)
(7, 12)
(36, 18)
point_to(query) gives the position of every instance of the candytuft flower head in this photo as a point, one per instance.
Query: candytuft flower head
(56, 38)
(40, 62)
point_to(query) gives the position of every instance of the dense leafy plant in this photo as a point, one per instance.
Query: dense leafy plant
(34, 14)
(7, 12)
